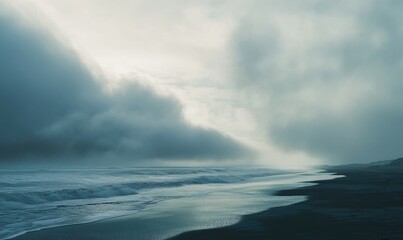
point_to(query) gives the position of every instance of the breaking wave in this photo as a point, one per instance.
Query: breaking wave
(36, 199)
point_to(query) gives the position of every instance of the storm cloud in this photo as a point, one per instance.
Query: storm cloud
(52, 107)
(324, 78)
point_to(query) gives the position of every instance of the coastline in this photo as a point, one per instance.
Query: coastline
(219, 208)
(366, 204)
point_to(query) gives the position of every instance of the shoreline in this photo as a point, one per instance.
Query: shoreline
(365, 204)
(173, 217)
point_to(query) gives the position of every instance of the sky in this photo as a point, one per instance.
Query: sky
(279, 83)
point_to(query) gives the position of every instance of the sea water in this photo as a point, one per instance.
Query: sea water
(37, 199)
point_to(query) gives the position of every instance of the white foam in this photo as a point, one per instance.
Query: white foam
(35, 200)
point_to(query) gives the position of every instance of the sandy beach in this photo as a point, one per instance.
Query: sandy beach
(204, 206)
(365, 204)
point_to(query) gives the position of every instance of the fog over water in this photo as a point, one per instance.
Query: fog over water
(312, 82)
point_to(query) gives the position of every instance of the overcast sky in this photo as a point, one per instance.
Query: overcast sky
(284, 83)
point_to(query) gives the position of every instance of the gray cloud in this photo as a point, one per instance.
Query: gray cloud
(325, 77)
(52, 107)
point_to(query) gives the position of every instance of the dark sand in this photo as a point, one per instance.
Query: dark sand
(366, 204)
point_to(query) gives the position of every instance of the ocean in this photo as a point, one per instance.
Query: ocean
(37, 199)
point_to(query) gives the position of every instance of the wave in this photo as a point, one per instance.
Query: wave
(31, 200)
(106, 191)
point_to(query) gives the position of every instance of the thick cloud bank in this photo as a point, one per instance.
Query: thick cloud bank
(52, 107)
(325, 78)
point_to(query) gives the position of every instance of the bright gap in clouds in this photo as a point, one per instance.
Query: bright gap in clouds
(181, 48)
(54, 112)
(301, 81)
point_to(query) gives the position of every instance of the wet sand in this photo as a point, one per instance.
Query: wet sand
(172, 217)
(366, 204)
